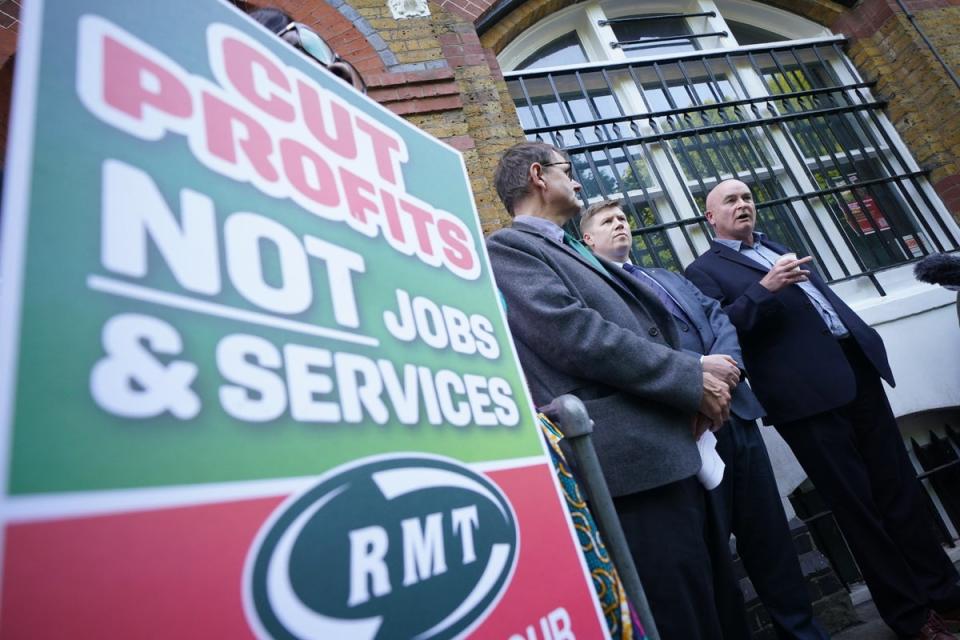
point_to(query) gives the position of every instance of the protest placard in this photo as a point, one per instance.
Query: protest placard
(255, 376)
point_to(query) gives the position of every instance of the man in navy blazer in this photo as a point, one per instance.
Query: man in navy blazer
(747, 501)
(817, 369)
(581, 329)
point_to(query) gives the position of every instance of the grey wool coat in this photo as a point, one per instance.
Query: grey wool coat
(607, 340)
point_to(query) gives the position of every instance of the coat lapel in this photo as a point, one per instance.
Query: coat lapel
(814, 278)
(648, 299)
(619, 280)
(559, 246)
(727, 253)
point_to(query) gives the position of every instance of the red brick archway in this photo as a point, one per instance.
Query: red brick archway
(332, 27)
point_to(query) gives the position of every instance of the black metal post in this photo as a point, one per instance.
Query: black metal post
(569, 414)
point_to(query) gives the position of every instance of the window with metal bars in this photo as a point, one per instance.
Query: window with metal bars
(792, 120)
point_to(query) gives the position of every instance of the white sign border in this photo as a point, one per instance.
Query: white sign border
(13, 234)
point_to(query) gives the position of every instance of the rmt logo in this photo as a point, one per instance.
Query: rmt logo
(387, 547)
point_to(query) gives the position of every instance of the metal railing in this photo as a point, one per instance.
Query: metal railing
(9, 14)
(792, 120)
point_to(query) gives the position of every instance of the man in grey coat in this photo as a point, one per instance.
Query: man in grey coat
(747, 502)
(581, 329)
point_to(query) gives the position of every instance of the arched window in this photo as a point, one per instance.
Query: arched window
(658, 101)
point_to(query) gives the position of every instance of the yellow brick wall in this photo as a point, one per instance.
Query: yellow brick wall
(924, 103)
(487, 116)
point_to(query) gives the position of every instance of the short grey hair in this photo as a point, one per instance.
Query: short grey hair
(510, 178)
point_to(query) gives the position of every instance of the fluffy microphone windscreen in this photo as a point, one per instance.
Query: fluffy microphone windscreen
(939, 269)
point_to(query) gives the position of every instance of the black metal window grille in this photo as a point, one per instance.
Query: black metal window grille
(792, 120)
(644, 43)
(644, 34)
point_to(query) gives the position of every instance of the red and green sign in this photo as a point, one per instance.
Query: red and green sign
(254, 377)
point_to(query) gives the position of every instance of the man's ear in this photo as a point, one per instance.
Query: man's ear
(587, 238)
(708, 214)
(535, 175)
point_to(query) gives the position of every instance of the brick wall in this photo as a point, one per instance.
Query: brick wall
(521, 18)
(924, 102)
(459, 96)
(337, 29)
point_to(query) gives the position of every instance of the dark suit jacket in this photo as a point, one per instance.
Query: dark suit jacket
(605, 339)
(716, 333)
(797, 368)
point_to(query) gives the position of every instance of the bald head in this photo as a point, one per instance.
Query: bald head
(721, 189)
(731, 212)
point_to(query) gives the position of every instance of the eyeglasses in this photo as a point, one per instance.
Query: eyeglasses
(553, 164)
(308, 41)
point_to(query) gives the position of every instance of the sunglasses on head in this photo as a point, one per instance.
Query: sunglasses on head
(307, 40)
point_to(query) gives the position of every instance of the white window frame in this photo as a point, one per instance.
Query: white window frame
(595, 38)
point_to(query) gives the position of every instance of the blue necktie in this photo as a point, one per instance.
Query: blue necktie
(657, 290)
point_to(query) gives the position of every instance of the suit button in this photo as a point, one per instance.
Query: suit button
(825, 332)
(684, 328)
(654, 331)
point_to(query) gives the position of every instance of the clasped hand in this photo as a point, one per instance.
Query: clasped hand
(723, 367)
(720, 375)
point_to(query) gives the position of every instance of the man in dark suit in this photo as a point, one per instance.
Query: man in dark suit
(580, 329)
(747, 501)
(816, 367)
